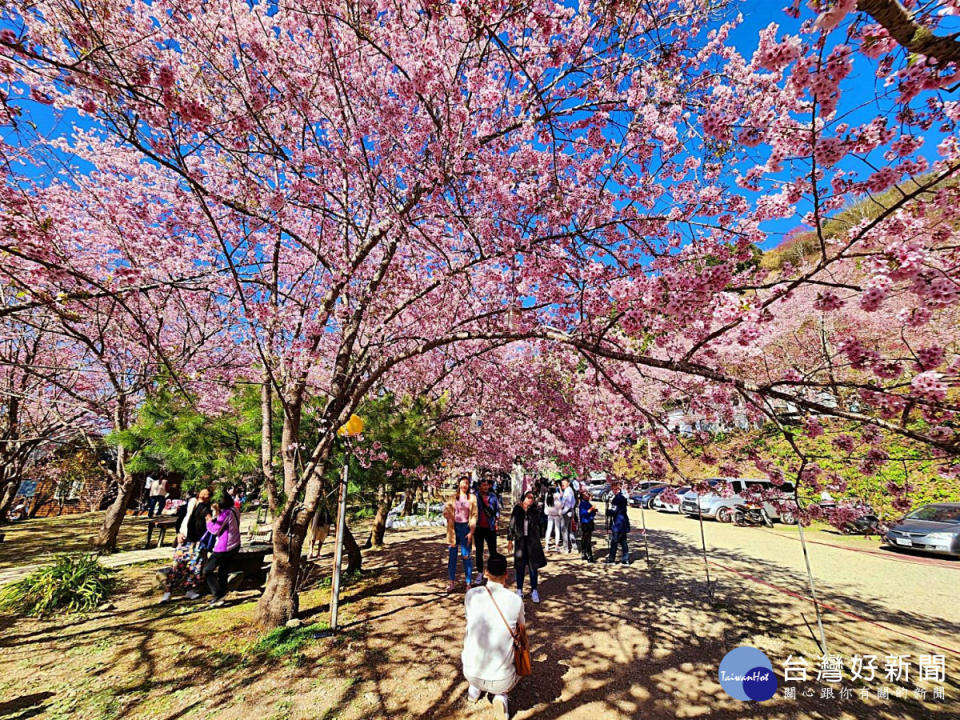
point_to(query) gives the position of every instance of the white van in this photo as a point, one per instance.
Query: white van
(713, 505)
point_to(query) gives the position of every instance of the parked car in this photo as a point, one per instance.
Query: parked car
(850, 517)
(646, 485)
(932, 528)
(670, 502)
(644, 497)
(599, 492)
(712, 505)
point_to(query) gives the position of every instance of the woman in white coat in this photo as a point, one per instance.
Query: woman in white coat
(552, 505)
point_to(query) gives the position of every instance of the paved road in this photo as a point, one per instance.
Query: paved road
(914, 595)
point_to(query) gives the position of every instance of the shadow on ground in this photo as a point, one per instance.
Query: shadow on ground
(607, 642)
(24, 706)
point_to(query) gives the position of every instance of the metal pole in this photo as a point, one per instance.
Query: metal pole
(646, 548)
(338, 555)
(703, 544)
(813, 588)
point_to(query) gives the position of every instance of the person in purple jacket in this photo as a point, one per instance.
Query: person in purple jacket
(226, 529)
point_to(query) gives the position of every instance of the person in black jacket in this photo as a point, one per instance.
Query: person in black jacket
(523, 538)
(619, 526)
(194, 523)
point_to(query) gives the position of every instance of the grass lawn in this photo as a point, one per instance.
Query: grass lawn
(33, 541)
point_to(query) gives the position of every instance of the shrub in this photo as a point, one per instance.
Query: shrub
(75, 583)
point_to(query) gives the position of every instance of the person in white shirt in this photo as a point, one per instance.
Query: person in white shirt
(552, 505)
(488, 644)
(567, 506)
(20, 511)
(158, 495)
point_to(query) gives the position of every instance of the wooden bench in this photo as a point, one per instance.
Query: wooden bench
(162, 524)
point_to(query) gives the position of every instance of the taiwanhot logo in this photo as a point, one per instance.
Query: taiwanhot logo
(746, 674)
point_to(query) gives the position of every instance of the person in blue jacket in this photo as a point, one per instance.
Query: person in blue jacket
(587, 513)
(619, 526)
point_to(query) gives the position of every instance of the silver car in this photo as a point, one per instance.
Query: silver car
(673, 504)
(716, 506)
(931, 528)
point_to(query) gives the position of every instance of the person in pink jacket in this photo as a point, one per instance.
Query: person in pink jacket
(226, 529)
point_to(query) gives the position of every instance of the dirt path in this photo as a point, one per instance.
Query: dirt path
(911, 594)
(608, 642)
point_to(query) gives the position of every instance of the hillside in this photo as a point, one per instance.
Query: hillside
(803, 246)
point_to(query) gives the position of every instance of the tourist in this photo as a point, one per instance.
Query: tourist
(194, 521)
(319, 529)
(523, 539)
(157, 495)
(461, 514)
(495, 484)
(488, 512)
(587, 514)
(619, 526)
(540, 487)
(568, 506)
(226, 529)
(552, 506)
(20, 511)
(494, 615)
(239, 495)
(188, 557)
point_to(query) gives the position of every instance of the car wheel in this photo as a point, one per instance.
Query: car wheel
(788, 518)
(724, 515)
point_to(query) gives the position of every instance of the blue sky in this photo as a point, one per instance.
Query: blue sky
(859, 87)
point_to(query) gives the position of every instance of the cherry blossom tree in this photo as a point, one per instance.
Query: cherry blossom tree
(36, 414)
(378, 195)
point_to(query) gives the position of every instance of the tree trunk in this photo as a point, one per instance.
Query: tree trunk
(409, 495)
(8, 494)
(375, 537)
(10, 478)
(380, 524)
(280, 602)
(106, 540)
(266, 442)
(354, 554)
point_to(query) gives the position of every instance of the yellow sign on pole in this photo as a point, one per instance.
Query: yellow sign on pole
(352, 428)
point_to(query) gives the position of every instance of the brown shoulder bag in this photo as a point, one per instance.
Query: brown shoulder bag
(521, 648)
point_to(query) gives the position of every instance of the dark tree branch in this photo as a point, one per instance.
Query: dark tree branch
(899, 22)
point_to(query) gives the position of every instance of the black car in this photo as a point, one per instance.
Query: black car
(931, 528)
